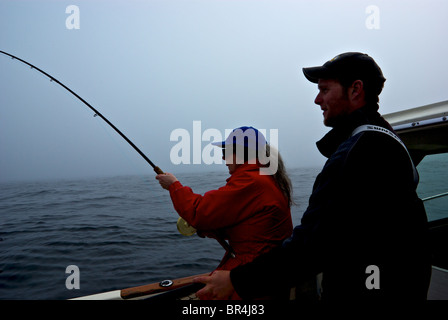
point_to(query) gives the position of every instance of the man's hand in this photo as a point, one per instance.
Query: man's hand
(218, 286)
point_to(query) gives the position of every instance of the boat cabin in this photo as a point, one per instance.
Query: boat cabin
(424, 131)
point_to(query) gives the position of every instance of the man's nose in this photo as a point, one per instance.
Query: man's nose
(318, 99)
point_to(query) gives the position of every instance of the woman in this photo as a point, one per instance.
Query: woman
(252, 211)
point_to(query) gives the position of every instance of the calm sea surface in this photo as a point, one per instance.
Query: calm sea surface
(120, 232)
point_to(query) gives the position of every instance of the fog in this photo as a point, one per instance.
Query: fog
(152, 67)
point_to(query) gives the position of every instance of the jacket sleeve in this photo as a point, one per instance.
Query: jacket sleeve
(275, 271)
(300, 257)
(217, 208)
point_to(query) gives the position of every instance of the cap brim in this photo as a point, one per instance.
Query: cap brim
(221, 144)
(313, 74)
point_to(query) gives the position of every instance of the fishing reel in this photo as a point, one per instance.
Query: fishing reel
(185, 228)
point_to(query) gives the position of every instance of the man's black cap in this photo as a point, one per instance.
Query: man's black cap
(349, 66)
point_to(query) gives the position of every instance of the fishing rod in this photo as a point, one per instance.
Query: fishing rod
(184, 227)
(97, 113)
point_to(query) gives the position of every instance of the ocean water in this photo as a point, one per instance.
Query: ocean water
(119, 231)
(433, 172)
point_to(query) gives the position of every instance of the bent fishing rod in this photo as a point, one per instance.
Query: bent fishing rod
(182, 225)
(53, 79)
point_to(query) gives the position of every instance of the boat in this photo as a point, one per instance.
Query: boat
(177, 289)
(424, 131)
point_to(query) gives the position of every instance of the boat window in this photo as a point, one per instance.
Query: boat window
(433, 186)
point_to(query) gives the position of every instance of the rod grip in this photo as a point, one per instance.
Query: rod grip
(158, 170)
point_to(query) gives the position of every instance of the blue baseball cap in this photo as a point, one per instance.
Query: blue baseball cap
(245, 136)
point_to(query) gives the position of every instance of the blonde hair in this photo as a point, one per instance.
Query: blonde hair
(277, 169)
(271, 163)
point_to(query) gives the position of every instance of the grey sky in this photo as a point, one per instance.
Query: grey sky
(152, 67)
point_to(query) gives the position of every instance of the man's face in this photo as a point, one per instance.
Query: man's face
(333, 100)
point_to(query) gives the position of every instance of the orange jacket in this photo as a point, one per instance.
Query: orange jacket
(250, 211)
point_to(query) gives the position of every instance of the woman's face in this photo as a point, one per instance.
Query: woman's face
(231, 162)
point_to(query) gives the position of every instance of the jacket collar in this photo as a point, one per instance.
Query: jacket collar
(342, 131)
(243, 168)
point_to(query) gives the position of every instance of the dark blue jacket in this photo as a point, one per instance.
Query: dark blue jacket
(363, 211)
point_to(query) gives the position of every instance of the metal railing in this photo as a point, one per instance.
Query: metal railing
(436, 196)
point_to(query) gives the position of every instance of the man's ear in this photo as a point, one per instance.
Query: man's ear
(356, 90)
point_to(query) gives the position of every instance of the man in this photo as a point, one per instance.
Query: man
(365, 228)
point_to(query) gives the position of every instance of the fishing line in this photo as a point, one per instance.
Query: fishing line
(184, 227)
(96, 112)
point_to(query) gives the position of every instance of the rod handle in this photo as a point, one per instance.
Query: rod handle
(158, 170)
